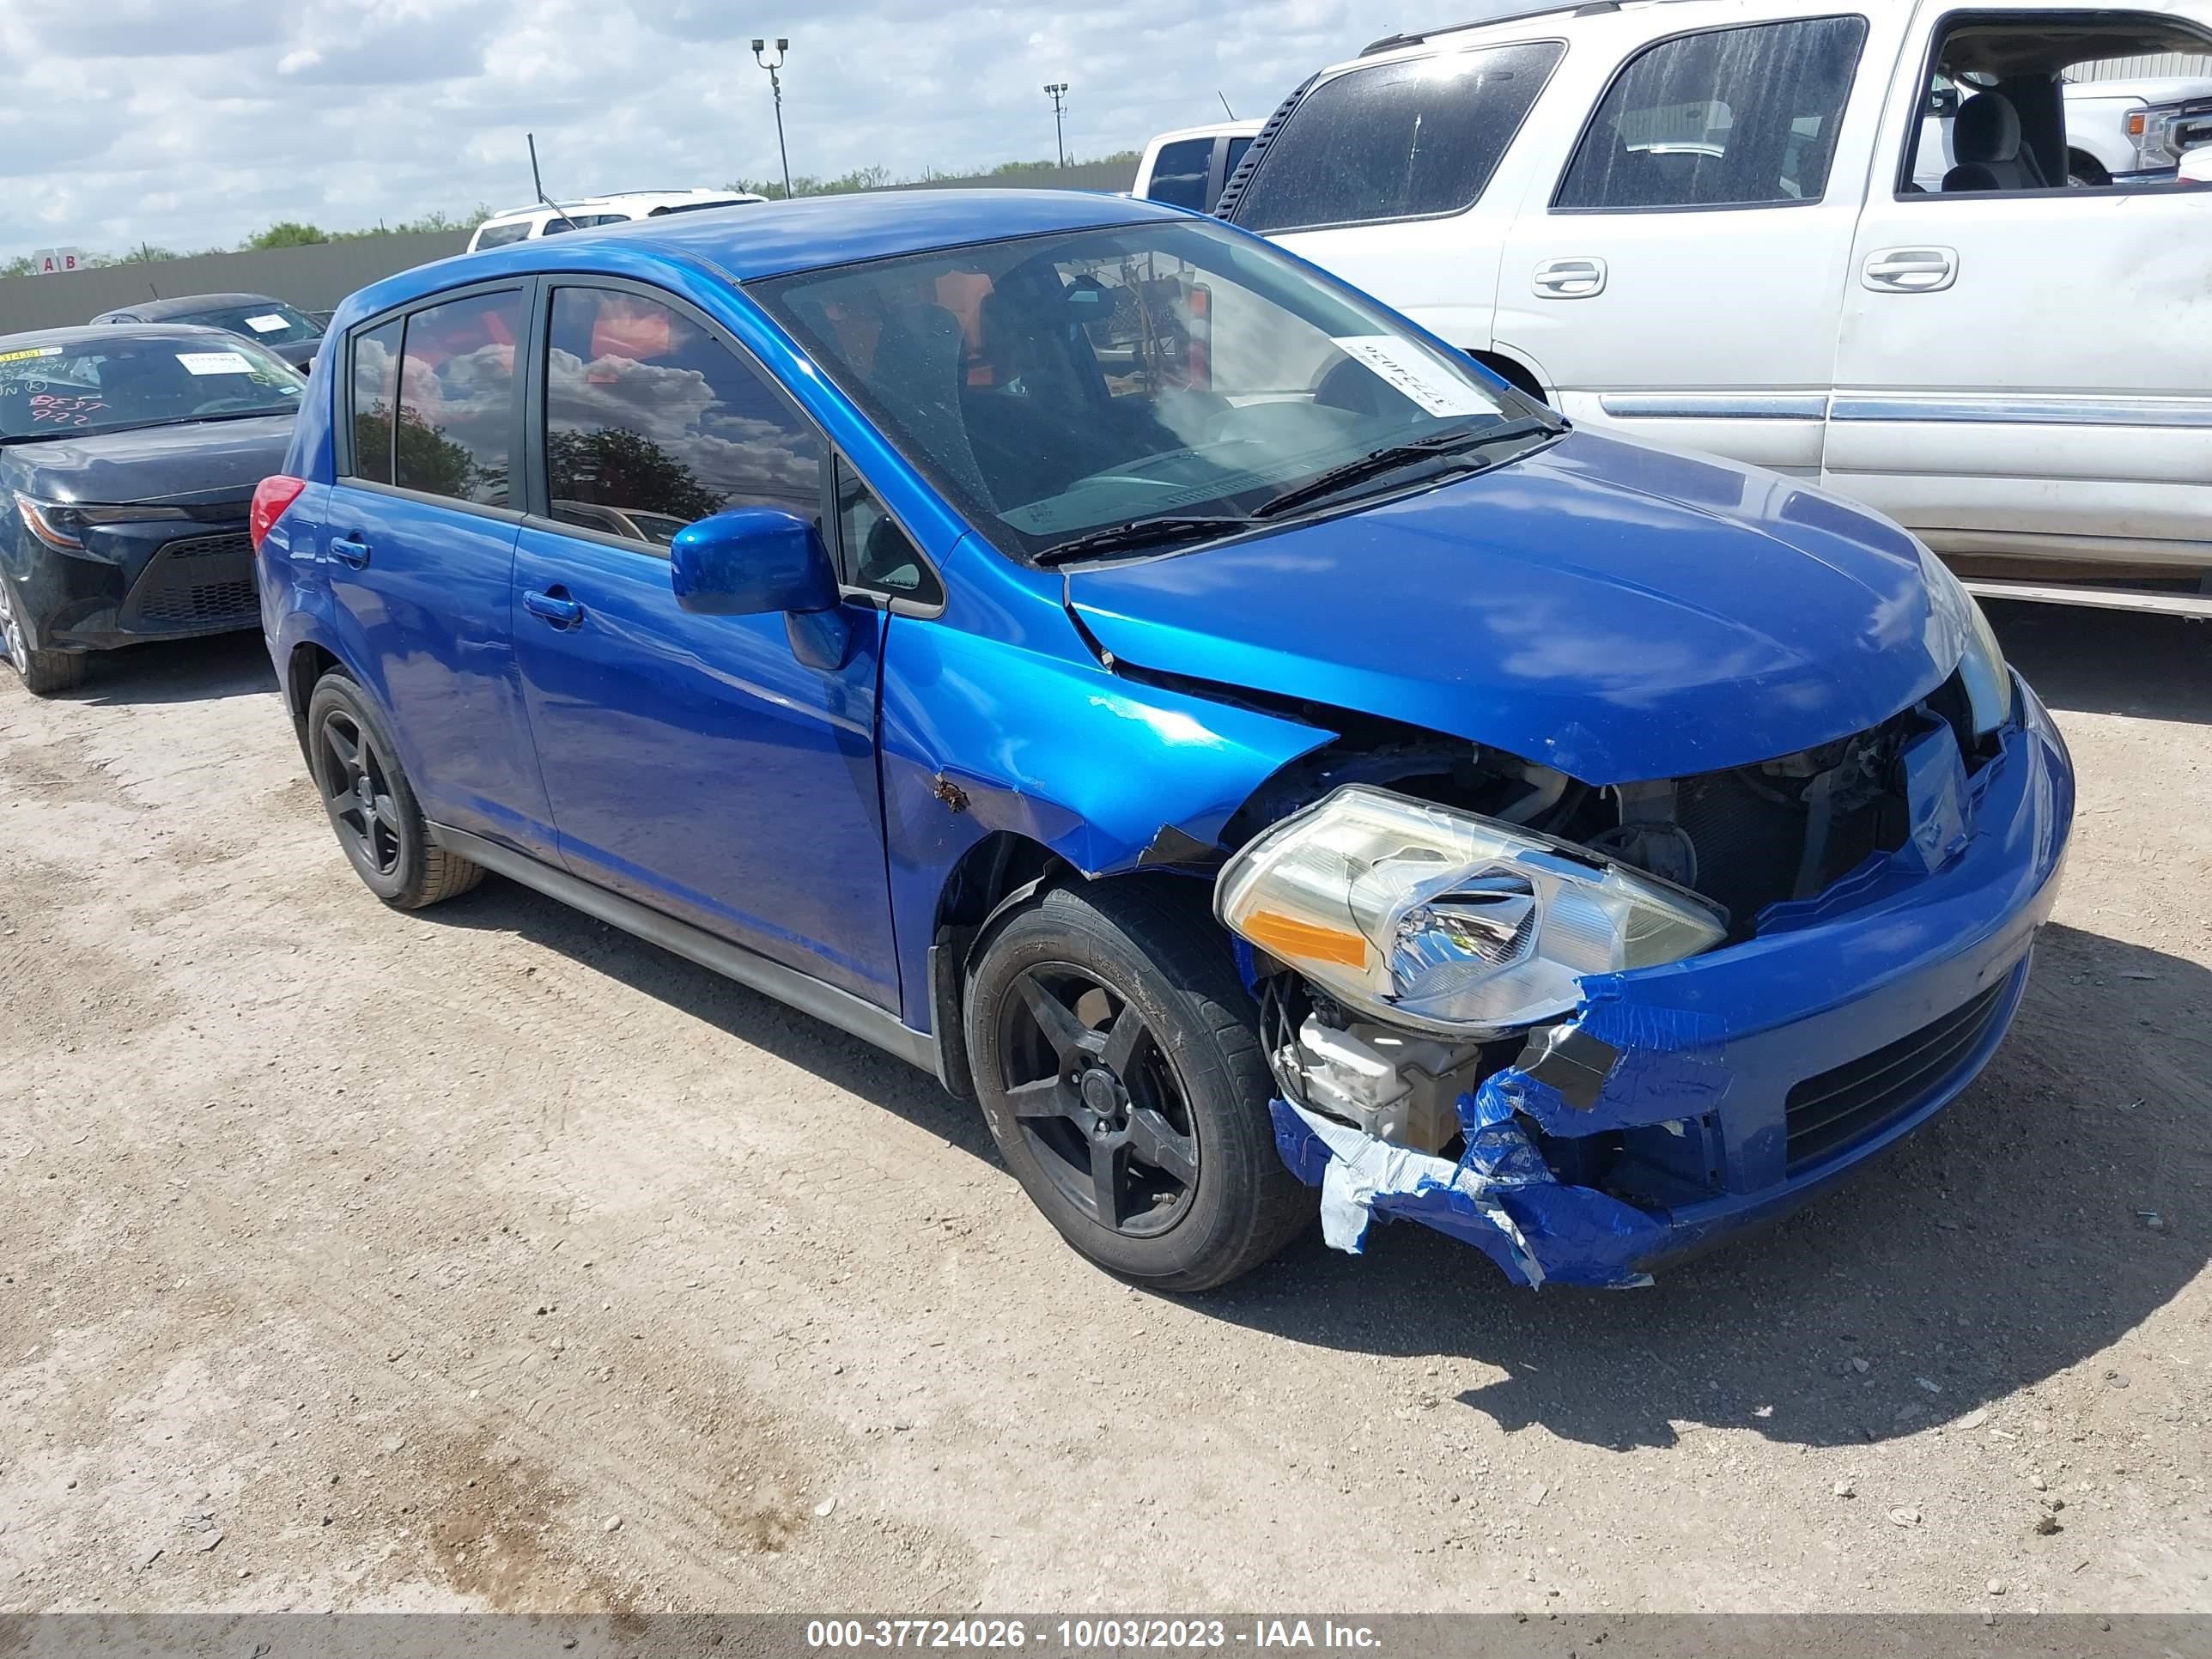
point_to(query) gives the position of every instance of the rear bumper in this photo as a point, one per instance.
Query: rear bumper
(1723, 1091)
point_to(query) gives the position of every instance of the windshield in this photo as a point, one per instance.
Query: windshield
(1053, 386)
(111, 385)
(267, 321)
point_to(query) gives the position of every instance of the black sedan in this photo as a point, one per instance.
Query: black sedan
(289, 332)
(128, 461)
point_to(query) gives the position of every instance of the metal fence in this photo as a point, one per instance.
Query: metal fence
(313, 278)
(2131, 69)
(317, 277)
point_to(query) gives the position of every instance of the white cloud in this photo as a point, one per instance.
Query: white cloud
(188, 126)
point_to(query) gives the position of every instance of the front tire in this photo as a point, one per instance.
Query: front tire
(1116, 1053)
(43, 672)
(372, 807)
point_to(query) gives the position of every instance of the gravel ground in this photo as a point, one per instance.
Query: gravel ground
(487, 1258)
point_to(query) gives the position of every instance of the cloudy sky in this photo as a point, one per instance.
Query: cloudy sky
(188, 122)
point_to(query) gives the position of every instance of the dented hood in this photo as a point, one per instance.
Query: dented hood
(1619, 613)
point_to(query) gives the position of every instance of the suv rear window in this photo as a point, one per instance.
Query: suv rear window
(1728, 118)
(501, 236)
(1397, 141)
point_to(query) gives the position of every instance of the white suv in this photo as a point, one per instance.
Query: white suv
(519, 224)
(1699, 222)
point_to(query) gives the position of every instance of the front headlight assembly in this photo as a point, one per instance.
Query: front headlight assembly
(1422, 916)
(1981, 668)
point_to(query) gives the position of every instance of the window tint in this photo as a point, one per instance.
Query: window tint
(877, 551)
(375, 390)
(457, 398)
(651, 424)
(1179, 173)
(1730, 118)
(1236, 148)
(501, 236)
(1397, 141)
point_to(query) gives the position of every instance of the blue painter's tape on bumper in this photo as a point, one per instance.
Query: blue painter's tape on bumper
(1748, 1078)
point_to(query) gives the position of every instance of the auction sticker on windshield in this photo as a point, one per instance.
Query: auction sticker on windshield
(1414, 373)
(28, 353)
(268, 323)
(213, 362)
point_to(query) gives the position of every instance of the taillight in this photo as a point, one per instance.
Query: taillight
(270, 497)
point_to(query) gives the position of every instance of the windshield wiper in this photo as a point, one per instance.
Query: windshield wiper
(1458, 442)
(1138, 533)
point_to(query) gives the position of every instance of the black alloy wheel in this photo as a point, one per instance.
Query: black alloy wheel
(371, 804)
(1098, 1100)
(1116, 1054)
(354, 777)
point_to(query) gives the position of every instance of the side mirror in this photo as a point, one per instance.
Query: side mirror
(750, 560)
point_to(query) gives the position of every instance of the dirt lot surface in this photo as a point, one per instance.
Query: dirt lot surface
(487, 1258)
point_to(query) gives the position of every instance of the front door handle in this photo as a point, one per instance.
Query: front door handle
(349, 550)
(1570, 279)
(1912, 269)
(554, 606)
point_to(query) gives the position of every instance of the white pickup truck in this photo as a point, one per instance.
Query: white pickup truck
(1712, 223)
(2129, 132)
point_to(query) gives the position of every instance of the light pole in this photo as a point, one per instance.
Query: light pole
(775, 85)
(1057, 90)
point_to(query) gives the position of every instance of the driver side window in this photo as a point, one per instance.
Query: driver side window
(651, 424)
(2027, 102)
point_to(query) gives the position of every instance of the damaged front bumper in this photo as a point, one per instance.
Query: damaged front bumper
(1684, 1102)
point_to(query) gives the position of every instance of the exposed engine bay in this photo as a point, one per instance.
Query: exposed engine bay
(1742, 840)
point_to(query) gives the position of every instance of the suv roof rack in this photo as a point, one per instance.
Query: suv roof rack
(1499, 11)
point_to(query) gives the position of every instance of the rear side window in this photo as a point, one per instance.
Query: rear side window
(457, 398)
(375, 394)
(651, 424)
(1179, 175)
(1729, 118)
(1398, 140)
(501, 236)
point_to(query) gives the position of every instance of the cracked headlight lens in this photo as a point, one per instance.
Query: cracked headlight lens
(1423, 916)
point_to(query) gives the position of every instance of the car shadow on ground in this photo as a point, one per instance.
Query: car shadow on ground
(177, 670)
(2110, 662)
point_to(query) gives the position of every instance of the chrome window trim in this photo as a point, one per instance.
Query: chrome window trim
(2010, 409)
(1715, 406)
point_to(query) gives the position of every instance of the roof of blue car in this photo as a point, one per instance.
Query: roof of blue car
(772, 239)
(769, 238)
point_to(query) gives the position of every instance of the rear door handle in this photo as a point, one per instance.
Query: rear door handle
(554, 606)
(349, 550)
(1912, 269)
(1570, 279)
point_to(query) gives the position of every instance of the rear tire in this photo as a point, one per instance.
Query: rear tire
(43, 672)
(1164, 1121)
(371, 804)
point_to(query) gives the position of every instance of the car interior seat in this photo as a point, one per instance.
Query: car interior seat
(1986, 136)
(920, 364)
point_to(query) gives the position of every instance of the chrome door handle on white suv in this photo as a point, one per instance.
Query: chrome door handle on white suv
(1570, 279)
(1912, 269)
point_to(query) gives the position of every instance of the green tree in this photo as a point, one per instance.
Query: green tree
(285, 233)
(612, 467)
(428, 460)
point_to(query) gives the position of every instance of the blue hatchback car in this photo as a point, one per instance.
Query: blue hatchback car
(1088, 652)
